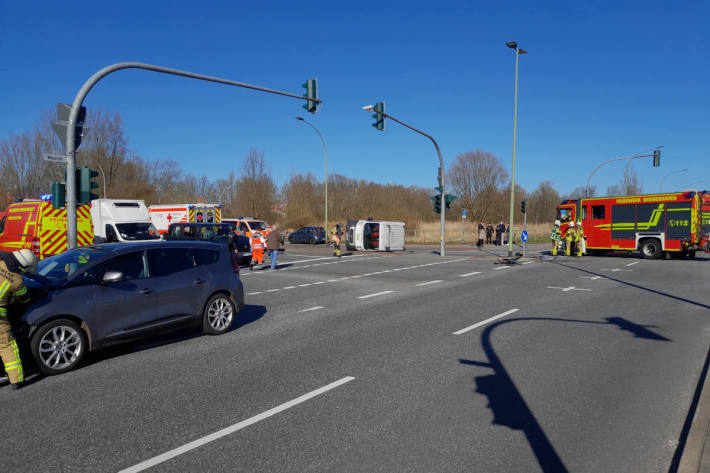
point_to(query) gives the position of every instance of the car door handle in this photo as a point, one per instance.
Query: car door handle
(198, 281)
(146, 291)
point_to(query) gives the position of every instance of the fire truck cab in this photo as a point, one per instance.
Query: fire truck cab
(675, 224)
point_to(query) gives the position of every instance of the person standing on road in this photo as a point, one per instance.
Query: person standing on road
(272, 244)
(579, 239)
(337, 239)
(569, 238)
(489, 234)
(500, 229)
(481, 236)
(556, 237)
(12, 284)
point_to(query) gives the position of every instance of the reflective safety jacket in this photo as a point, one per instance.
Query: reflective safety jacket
(571, 234)
(257, 242)
(579, 234)
(556, 234)
(11, 284)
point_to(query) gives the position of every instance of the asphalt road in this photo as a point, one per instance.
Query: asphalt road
(394, 362)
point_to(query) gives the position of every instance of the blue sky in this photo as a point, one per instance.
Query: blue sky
(601, 80)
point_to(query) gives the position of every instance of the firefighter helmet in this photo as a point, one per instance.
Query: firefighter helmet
(26, 259)
(557, 223)
(571, 224)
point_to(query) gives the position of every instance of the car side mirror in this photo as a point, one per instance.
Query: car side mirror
(112, 276)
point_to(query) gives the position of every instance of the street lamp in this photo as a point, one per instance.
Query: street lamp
(325, 152)
(518, 52)
(656, 152)
(660, 186)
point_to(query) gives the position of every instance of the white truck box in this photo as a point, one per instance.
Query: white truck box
(121, 220)
(374, 235)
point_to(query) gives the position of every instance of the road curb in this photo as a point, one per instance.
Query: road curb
(695, 457)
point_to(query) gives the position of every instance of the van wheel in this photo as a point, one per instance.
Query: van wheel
(218, 315)
(651, 248)
(58, 346)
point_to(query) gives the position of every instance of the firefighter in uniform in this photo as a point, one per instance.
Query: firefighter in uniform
(258, 244)
(555, 236)
(569, 238)
(337, 238)
(579, 238)
(11, 284)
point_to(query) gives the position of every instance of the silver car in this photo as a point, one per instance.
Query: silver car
(93, 296)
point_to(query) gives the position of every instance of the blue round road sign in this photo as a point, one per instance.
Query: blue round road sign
(524, 236)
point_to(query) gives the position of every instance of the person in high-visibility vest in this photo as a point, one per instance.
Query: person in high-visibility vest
(579, 238)
(257, 249)
(555, 236)
(12, 284)
(337, 239)
(569, 238)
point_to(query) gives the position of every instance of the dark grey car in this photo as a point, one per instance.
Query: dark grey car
(93, 296)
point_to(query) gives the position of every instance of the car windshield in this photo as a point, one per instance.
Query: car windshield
(57, 269)
(137, 231)
(257, 225)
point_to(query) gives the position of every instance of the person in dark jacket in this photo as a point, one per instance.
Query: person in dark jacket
(489, 234)
(272, 244)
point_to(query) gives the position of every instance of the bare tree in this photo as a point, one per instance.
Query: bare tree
(542, 203)
(477, 177)
(629, 184)
(256, 191)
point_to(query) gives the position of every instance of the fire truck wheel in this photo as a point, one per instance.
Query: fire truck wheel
(651, 248)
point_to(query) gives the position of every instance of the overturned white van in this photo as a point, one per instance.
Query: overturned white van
(373, 235)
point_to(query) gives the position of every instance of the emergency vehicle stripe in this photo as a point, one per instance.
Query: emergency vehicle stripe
(21, 292)
(191, 215)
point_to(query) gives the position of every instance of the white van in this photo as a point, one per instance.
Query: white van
(371, 235)
(121, 220)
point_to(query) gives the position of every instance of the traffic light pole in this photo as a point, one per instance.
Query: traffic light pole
(79, 100)
(442, 247)
(636, 156)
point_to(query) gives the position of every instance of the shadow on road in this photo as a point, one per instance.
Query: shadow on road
(507, 403)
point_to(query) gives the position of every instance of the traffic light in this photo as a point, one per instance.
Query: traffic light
(84, 179)
(656, 158)
(449, 198)
(436, 200)
(311, 87)
(379, 118)
(523, 205)
(59, 195)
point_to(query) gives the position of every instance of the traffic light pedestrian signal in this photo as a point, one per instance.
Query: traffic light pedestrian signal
(436, 200)
(86, 184)
(311, 94)
(59, 195)
(656, 158)
(379, 109)
(523, 205)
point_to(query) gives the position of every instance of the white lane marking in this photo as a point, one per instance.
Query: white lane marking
(631, 264)
(290, 287)
(567, 289)
(469, 274)
(305, 285)
(356, 276)
(312, 308)
(368, 274)
(346, 277)
(502, 267)
(333, 280)
(272, 290)
(307, 256)
(233, 428)
(616, 270)
(375, 294)
(319, 282)
(592, 277)
(429, 282)
(484, 322)
(316, 259)
(526, 262)
(253, 293)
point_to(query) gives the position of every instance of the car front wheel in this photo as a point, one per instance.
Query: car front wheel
(58, 346)
(218, 315)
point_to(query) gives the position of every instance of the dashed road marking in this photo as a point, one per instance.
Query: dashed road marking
(593, 277)
(272, 290)
(631, 264)
(429, 282)
(616, 270)
(290, 287)
(375, 294)
(469, 274)
(484, 322)
(318, 307)
(253, 293)
(318, 282)
(305, 285)
(567, 289)
(526, 262)
(502, 267)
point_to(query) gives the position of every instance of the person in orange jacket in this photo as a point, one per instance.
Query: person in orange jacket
(258, 244)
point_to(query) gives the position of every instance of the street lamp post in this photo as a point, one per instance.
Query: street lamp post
(518, 52)
(660, 186)
(636, 156)
(325, 152)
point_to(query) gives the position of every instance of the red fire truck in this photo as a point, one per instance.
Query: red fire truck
(675, 224)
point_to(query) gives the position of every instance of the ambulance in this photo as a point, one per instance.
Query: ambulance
(676, 224)
(163, 215)
(37, 226)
